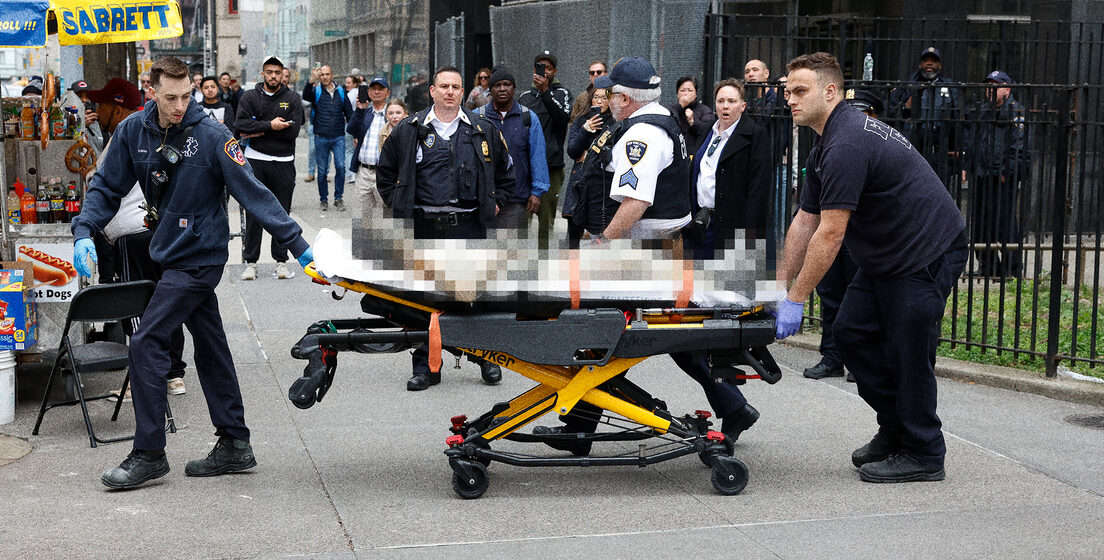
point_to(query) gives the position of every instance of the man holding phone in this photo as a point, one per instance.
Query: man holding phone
(365, 127)
(551, 102)
(270, 116)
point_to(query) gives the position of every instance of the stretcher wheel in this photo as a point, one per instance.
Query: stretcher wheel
(730, 475)
(707, 457)
(470, 486)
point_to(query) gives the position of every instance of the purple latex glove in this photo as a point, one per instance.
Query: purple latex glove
(788, 318)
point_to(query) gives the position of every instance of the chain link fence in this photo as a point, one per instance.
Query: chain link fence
(449, 38)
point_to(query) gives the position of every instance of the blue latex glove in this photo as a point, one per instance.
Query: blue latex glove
(306, 258)
(788, 319)
(83, 250)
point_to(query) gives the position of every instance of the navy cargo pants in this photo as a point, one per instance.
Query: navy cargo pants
(887, 331)
(184, 296)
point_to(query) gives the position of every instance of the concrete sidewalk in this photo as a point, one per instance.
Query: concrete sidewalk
(362, 474)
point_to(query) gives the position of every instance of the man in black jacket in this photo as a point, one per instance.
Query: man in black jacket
(448, 170)
(270, 117)
(551, 102)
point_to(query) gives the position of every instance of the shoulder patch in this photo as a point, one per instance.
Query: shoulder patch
(634, 150)
(234, 151)
(628, 179)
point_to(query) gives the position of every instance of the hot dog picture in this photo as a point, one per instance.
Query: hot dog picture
(48, 269)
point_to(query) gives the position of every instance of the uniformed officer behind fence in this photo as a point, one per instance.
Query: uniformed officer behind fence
(866, 181)
(184, 162)
(448, 171)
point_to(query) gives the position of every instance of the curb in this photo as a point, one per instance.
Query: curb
(1019, 380)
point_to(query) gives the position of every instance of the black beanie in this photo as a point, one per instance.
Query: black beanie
(500, 73)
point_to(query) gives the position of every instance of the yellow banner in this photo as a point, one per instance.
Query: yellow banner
(81, 22)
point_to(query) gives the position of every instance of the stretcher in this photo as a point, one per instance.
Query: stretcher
(576, 350)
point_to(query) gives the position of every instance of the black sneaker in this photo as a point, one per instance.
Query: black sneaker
(735, 424)
(324, 205)
(881, 446)
(339, 205)
(901, 467)
(423, 381)
(491, 373)
(137, 468)
(822, 370)
(578, 447)
(229, 455)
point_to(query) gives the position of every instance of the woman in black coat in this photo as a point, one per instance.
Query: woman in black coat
(584, 130)
(694, 118)
(731, 173)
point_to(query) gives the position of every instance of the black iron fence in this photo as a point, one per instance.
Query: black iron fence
(1023, 163)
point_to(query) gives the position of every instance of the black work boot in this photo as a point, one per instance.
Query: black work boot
(577, 446)
(822, 370)
(140, 466)
(736, 423)
(492, 374)
(901, 467)
(229, 455)
(421, 381)
(884, 444)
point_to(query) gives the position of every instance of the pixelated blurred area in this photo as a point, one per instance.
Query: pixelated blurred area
(503, 268)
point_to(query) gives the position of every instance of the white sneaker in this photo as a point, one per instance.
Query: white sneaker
(283, 272)
(176, 386)
(250, 272)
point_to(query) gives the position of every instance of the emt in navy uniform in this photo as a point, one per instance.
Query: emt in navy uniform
(184, 163)
(449, 171)
(866, 185)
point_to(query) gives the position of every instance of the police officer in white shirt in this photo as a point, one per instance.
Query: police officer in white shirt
(650, 164)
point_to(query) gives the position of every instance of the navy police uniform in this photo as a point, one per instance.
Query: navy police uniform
(908, 239)
(190, 243)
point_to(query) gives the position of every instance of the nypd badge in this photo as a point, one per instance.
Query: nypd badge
(634, 150)
(429, 140)
(486, 149)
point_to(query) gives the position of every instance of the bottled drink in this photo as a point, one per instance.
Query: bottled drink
(13, 208)
(72, 201)
(42, 205)
(27, 211)
(57, 203)
(57, 123)
(868, 68)
(27, 122)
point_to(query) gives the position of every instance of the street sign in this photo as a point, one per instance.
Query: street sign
(334, 33)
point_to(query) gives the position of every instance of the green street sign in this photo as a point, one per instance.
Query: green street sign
(335, 33)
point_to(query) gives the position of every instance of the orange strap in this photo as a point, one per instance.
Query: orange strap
(434, 342)
(683, 298)
(574, 282)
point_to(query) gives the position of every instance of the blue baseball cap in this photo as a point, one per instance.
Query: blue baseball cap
(998, 76)
(629, 71)
(381, 81)
(931, 51)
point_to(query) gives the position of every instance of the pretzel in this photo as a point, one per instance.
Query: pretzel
(49, 92)
(48, 269)
(80, 158)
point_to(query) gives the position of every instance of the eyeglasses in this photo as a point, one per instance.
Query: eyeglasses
(713, 145)
(597, 72)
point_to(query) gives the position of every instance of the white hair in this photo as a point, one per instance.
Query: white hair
(641, 95)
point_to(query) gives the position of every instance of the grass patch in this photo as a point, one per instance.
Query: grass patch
(1017, 314)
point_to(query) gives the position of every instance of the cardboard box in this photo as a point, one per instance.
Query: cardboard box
(18, 309)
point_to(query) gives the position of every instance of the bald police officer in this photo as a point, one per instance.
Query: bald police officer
(865, 182)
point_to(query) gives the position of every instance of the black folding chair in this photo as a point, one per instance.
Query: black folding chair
(100, 303)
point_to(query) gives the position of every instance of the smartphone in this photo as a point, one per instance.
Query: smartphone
(362, 93)
(539, 68)
(595, 110)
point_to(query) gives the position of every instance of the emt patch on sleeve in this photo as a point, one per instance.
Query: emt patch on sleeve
(628, 178)
(234, 151)
(634, 150)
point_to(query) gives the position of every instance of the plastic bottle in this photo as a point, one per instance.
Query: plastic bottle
(13, 208)
(27, 211)
(72, 201)
(42, 205)
(27, 122)
(868, 67)
(57, 123)
(57, 203)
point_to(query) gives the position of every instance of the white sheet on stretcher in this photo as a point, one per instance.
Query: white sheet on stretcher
(468, 271)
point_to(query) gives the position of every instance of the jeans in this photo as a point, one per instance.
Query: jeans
(324, 147)
(310, 147)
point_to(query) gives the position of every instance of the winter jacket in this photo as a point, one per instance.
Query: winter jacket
(329, 113)
(553, 108)
(193, 228)
(256, 109)
(526, 148)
